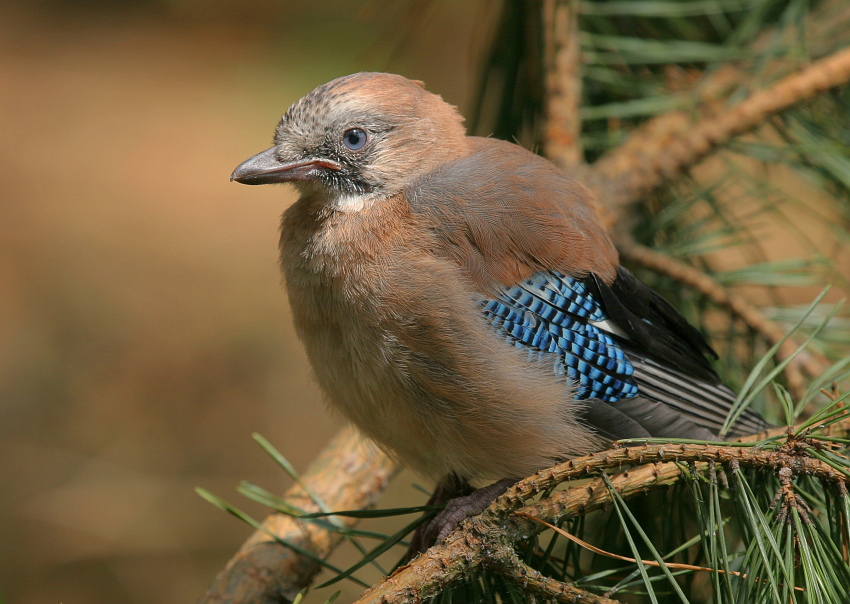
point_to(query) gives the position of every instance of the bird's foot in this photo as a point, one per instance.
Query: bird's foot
(457, 509)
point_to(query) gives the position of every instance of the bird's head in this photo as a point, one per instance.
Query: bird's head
(359, 138)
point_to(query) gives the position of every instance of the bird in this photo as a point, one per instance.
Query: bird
(460, 300)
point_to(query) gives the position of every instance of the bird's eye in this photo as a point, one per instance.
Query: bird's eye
(354, 138)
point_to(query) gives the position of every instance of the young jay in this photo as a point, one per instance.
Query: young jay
(459, 299)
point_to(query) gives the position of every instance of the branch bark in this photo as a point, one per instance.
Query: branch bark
(349, 474)
(563, 82)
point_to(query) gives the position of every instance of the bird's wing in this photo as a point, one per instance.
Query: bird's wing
(625, 348)
(528, 240)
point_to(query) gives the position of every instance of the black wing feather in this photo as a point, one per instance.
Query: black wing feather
(671, 360)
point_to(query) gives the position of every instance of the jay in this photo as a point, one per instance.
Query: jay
(459, 299)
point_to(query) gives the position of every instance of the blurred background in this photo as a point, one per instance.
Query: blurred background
(143, 332)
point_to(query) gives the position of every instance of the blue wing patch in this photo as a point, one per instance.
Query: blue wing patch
(554, 313)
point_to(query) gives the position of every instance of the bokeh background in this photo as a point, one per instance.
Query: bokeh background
(143, 332)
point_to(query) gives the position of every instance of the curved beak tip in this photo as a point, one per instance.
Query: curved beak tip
(239, 175)
(263, 168)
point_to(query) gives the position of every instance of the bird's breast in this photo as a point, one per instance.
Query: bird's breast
(398, 342)
(339, 270)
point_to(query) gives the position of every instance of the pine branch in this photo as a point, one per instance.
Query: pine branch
(665, 147)
(481, 540)
(487, 540)
(562, 136)
(347, 474)
(511, 567)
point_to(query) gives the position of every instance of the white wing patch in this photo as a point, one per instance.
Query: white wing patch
(610, 327)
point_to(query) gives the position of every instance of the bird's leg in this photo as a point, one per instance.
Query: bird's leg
(449, 487)
(460, 508)
(457, 509)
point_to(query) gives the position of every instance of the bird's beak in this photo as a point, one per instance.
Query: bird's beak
(265, 168)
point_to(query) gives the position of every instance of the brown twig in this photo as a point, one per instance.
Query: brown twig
(348, 474)
(651, 470)
(811, 362)
(479, 541)
(562, 138)
(646, 455)
(529, 579)
(664, 148)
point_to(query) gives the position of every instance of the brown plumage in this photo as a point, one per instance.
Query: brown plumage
(406, 229)
(502, 235)
(393, 333)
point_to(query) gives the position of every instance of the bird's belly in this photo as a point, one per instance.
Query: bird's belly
(415, 366)
(360, 366)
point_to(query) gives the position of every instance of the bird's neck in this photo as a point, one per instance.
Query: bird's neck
(332, 236)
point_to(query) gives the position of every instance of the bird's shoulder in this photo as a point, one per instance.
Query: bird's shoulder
(503, 213)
